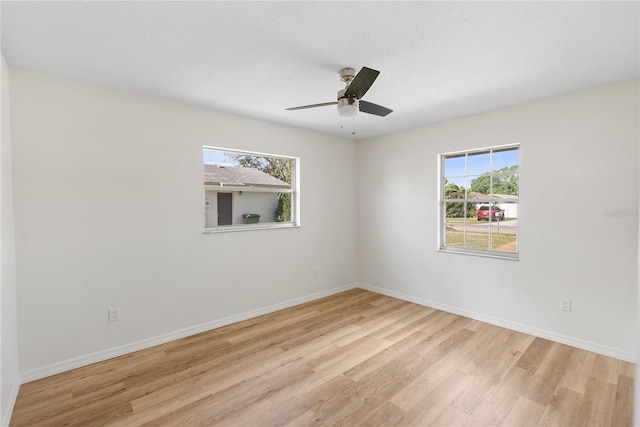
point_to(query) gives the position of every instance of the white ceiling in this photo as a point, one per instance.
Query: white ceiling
(438, 60)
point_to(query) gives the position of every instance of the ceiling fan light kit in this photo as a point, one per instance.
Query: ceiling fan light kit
(350, 98)
(347, 107)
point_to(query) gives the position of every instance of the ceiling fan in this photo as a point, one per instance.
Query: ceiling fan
(350, 98)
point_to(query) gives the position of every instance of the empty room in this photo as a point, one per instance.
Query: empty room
(319, 213)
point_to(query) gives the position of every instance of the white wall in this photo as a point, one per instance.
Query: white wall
(120, 179)
(9, 373)
(263, 204)
(577, 150)
(211, 213)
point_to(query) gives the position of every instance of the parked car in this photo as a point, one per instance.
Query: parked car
(490, 213)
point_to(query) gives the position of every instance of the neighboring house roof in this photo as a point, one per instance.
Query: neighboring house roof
(236, 176)
(505, 197)
(474, 195)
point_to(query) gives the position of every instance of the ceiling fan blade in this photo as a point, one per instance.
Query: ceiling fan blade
(375, 109)
(303, 107)
(361, 82)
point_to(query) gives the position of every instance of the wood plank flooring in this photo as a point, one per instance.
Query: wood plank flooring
(353, 359)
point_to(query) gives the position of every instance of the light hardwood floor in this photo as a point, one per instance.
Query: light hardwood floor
(356, 358)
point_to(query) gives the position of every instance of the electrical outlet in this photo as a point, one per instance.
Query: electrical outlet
(114, 314)
(316, 273)
(565, 304)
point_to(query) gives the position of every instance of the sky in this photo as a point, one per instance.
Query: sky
(215, 157)
(479, 163)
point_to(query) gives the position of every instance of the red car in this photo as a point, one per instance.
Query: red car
(490, 213)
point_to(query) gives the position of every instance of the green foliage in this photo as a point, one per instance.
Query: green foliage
(276, 167)
(283, 211)
(505, 181)
(457, 209)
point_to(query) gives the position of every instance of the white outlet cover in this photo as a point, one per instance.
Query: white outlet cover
(114, 314)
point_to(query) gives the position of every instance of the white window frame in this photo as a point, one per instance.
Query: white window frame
(442, 205)
(294, 191)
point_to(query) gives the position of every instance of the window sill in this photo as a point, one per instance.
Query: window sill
(248, 227)
(498, 255)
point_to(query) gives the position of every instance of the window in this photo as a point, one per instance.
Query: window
(247, 191)
(479, 192)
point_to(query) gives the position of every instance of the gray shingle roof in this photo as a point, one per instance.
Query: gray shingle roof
(236, 176)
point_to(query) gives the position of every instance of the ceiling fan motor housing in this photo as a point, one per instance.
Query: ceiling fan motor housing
(347, 74)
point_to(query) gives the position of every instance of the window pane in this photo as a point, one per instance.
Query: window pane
(478, 237)
(506, 170)
(504, 234)
(505, 159)
(480, 184)
(454, 188)
(478, 163)
(454, 166)
(505, 184)
(454, 224)
(455, 210)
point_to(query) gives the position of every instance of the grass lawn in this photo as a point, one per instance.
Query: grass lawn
(478, 240)
(470, 220)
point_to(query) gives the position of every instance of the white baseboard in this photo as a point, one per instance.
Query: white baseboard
(559, 338)
(8, 410)
(100, 356)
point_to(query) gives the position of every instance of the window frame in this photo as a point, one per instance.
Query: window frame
(441, 203)
(294, 191)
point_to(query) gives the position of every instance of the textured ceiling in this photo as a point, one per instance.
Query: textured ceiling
(438, 60)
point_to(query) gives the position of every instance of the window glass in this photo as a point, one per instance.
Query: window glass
(478, 163)
(245, 190)
(455, 166)
(479, 205)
